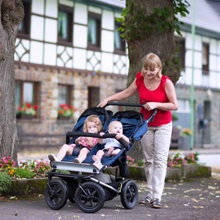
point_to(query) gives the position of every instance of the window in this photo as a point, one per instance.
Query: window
(26, 92)
(93, 97)
(94, 30)
(119, 42)
(64, 94)
(183, 105)
(65, 24)
(24, 27)
(205, 59)
(181, 51)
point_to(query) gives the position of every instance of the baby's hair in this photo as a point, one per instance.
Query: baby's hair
(95, 119)
(152, 61)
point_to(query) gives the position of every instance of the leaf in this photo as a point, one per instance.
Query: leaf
(198, 207)
(195, 200)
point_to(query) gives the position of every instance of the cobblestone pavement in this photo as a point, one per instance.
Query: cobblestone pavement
(198, 199)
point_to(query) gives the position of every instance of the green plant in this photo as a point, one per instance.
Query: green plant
(27, 169)
(66, 110)
(192, 158)
(174, 117)
(130, 160)
(186, 132)
(27, 109)
(23, 173)
(179, 160)
(140, 163)
(5, 182)
(38, 167)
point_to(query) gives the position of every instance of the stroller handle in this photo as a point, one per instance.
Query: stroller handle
(151, 118)
(85, 134)
(124, 104)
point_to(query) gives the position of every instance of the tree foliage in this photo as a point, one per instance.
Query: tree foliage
(148, 26)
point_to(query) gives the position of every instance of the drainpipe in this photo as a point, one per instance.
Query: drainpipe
(192, 98)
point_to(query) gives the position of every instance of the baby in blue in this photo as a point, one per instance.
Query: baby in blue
(112, 145)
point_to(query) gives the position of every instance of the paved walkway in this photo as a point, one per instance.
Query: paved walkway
(194, 200)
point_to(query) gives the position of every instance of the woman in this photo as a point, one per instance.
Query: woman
(156, 91)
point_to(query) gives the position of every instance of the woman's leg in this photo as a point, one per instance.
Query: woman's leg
(161, 152)
(147, 144)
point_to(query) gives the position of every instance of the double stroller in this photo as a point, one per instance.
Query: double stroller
(84, 184)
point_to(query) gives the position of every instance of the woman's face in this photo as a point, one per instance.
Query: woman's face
(150, 72)
(92, 127)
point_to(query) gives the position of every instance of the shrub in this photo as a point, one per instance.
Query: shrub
(5, 182)
(130, 160)
(27, 169)
(23, 173)
(179, 160)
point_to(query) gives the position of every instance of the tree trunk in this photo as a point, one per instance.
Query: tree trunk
(12, 13)
(147, 30)
(152, 34)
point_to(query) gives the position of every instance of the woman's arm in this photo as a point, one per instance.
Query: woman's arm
(128, 92)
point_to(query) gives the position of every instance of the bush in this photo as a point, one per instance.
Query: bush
(23, 173)
(5, 182)
(27, 169)
(179, 160)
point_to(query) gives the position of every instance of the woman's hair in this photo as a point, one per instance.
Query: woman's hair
(152, 61)
(95, 119)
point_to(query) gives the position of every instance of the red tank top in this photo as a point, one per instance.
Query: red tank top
(157, 95)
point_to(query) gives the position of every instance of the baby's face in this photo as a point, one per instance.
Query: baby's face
(115, 128)
(92, 127)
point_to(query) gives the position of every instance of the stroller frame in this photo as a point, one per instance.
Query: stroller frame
(87, 186)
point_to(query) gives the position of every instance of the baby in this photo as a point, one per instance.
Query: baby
(92, 124)
(112, 145)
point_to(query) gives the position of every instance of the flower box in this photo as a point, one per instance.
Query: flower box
(27, 111)
(28, 117)
(62, 117)
(65, 112)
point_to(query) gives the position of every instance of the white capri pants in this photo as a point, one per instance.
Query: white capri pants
(155, 147)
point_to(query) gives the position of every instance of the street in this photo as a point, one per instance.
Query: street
(196, 199)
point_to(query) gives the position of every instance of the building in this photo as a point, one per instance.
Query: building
(67, 51)
(70, 51)
(201, 59)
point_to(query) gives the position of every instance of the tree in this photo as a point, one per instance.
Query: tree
(11, 14)
(148, 26)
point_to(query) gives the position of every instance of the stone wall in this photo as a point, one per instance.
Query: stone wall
(46, 129)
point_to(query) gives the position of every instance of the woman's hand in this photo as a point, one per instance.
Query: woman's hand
(150, 106)
(103, 103)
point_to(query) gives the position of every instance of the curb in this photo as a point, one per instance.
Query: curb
(25, 187)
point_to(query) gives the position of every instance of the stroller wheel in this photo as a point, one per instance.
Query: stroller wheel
(90, 197)
(56, 194)
(129, 194)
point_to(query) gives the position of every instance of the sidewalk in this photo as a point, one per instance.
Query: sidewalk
(190, 200)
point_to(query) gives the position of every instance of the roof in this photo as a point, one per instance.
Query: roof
(207, 14)
(118, 3)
